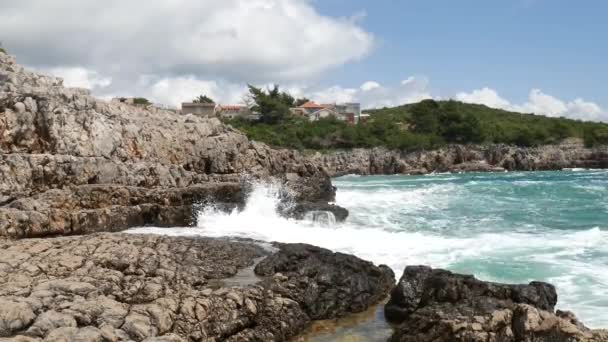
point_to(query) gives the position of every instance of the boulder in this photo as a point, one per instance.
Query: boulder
(328, 284)
(437, 305)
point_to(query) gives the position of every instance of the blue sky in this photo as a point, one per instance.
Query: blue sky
(541, 56)
(558, 46)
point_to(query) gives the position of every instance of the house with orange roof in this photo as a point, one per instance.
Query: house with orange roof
(349, 112)
(232, 111)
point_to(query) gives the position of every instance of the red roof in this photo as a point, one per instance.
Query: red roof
(312, 105)
(232, 107)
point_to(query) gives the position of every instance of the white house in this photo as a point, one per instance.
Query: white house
(349, 112)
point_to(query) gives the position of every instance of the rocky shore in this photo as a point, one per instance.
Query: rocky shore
(121, 287)
(72, 164)
(437, 305)
(464, 158)
(76, 170)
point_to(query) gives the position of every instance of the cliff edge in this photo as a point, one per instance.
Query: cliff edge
(72, 164)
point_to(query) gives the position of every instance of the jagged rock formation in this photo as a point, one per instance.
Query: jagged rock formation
(465, 158)
(438, 305)
(71, 163)
(120, 287)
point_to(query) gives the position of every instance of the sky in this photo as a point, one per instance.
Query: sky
(541, 56)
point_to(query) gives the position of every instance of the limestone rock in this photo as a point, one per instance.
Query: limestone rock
(438, 305)
(331, 284)
(125, 287)
(72, 164)
(461, 158)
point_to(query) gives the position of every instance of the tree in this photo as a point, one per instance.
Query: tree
(141, 100)
(272, 104)
(203, 99)
(301, 101)
(425, 117)
(596, 136)
(1, 48)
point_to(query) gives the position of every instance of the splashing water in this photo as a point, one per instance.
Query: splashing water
(508, 227)
(321, 217)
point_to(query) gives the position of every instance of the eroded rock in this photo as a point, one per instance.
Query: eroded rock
(438, 305)
(464, 158)
(73, 164)
(119, 287)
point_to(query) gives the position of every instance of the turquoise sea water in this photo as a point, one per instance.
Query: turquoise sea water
(508, 227)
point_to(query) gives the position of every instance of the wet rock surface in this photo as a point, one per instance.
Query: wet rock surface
(329, 284)
(119, 287)
(437, 305)
(71, 163)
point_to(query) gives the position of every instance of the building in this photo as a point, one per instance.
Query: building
(349, 112)
(199, 109)
(232, 111)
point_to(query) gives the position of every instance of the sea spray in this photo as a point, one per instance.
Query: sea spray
(320, 217)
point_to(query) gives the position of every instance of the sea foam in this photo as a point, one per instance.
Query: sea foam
(464, 226)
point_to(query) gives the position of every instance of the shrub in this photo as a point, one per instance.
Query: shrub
(141, 101)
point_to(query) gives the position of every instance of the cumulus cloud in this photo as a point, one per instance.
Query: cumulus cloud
(538, 103)
(369, 85)
(234, 41)
(174, 91)
(80, 77)
(486, 96)
(372, 94)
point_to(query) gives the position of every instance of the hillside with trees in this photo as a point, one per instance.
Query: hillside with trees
(424, 125)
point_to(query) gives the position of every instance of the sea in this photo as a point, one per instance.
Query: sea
(512, 227)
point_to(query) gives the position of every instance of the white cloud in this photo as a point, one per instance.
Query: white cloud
(80, 77)
(174, 91)
(538, 103)
(408, 80)
(239, 40)
(486, 96)
(370, 85)
(370, 94)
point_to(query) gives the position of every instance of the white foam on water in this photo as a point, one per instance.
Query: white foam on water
(582, 282)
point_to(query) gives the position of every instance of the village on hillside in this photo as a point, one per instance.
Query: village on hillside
(347, 112)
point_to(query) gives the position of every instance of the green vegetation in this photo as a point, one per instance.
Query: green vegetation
(424, 125)
(2, 49)
(141, 101)
(273, 105)
(203, 99)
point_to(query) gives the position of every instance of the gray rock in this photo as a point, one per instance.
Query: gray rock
(71, 163)
(14, 316)
(460, 158)
(117, 287)
(438, 305)
(19, 107)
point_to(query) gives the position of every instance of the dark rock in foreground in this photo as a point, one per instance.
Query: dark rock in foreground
(119, 287)
(438, 305)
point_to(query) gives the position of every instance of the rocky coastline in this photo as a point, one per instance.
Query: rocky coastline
(76, 170)
(73, 164)
(464, 158)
